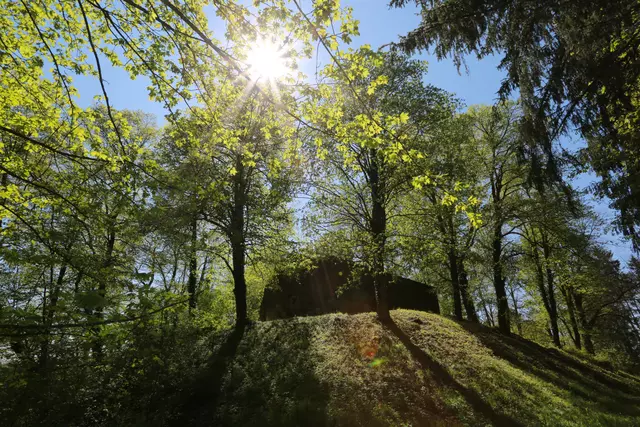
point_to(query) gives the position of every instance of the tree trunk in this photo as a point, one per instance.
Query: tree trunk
(553, 313)
(499, 282)
(487, 312)
(238, 243)
(378, 227)
(102, 286)
(193, 265)
(108, 261)
(4, 180)
(240, 284)
(203, 270)
(469, 306)
(551, 294)
(516, 313)
(455, 284)
(572, 317)
(546, 300)
(586, 326)
(48, 311)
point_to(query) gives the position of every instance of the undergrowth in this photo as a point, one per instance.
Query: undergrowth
(419, 370)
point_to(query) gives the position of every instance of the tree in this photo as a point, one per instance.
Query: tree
(166, 42)
(574, 64)
(497, 132)
(82, 240)
(440, 220)
(240, 179)
(595, 288)
(546, 233)
(367, 154)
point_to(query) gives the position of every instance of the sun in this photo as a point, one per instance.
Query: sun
(266, 61)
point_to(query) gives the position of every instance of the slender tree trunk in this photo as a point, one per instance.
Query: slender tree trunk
(586, 326)
(553, 313)
(48, 314)
(572, 317)
(378, 233)
(4, 180)
(203, 271)
(84, 356)
(487, 312)
(193, 265)
(174, 272)
(455, 284)
(551, 294)
(102, 286)
(238, 243)
(516, 313)
(499, 282)
(108, 261)
(546, 300)
(469, 306)
(43, 361)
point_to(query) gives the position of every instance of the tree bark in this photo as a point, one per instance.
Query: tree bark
(546, 300)
(499, 282)
(572, 318)
(108, 261)
(378, 227)
(4, 180)
(469, 306)
(551, 294)
(238, 237)
(487, 312)
(455, 284)
(584, 323)
(515, 310)
(48, 313)
(102, 286)
(193, 265)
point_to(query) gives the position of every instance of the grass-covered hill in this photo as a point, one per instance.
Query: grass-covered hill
(422, 369)
(333, 370)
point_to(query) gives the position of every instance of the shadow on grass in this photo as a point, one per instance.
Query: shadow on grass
(442, 376)
(375, 382)
(566, 372)
(262, 375)
(204, 393)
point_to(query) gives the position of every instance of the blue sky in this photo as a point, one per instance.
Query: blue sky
(379, 25)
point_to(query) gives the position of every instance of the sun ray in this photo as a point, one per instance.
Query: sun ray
(266, 61)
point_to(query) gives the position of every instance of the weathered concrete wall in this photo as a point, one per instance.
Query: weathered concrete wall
(330, 288)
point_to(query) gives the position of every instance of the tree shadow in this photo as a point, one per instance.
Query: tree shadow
(442, 376)
(563, 370)
(375, 381)
(204, 392)
(264, 375)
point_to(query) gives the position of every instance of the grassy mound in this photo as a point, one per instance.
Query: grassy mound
(421, 369)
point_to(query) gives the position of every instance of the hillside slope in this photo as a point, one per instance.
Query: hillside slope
(423, 369)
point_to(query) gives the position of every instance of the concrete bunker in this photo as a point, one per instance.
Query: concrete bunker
(332, 286)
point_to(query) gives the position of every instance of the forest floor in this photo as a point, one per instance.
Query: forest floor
(421, 369)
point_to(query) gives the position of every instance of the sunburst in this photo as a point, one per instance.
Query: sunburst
(266, 62)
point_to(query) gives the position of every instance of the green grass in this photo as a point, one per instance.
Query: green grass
(422, 370)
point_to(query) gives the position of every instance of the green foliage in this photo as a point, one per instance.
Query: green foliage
(574, 64)
(127, 252)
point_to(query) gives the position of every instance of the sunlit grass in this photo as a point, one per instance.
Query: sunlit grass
(361, 374)
(354, 371)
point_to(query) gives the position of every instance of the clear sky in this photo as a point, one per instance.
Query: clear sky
(379, 25)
